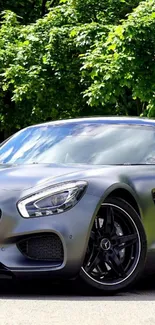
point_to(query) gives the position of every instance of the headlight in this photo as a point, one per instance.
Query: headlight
(52, 200)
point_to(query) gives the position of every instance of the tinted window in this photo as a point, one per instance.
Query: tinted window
(89, 143)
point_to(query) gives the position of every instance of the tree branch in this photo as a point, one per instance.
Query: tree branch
(43, 8)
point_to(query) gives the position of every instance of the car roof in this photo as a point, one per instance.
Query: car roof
(104, 120)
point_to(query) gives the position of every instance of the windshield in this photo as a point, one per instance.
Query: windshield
(81, 143)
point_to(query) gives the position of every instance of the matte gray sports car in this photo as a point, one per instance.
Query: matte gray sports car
(77, 197)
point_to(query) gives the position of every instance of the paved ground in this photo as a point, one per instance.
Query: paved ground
(38, 303)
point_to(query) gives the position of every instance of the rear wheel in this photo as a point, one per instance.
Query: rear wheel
(117, 247)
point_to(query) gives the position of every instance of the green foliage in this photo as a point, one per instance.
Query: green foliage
(43, 68)
(125, 63)
(68, 58)
(104, 11)
(28, 10)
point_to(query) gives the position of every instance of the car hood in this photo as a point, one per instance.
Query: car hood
(22, 177)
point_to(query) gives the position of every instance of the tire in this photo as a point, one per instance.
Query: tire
(117, 248)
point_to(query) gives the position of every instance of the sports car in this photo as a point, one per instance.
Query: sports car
(77, 199)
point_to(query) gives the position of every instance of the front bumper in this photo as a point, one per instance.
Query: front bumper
(73, 228)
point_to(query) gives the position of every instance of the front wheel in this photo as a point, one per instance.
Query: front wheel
(117, 247)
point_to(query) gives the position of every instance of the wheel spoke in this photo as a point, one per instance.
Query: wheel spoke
(92, 235)
(92, 263)
(125, 241)
(101, 271)
(116, 265)
(109, 220)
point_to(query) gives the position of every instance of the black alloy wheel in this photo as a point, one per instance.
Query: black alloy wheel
(117, 247)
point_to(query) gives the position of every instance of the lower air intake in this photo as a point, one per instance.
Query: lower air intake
(47, 247)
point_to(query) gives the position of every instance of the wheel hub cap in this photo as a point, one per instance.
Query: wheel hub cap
(105, 244)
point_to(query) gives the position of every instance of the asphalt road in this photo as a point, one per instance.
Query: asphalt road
(43, 302)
